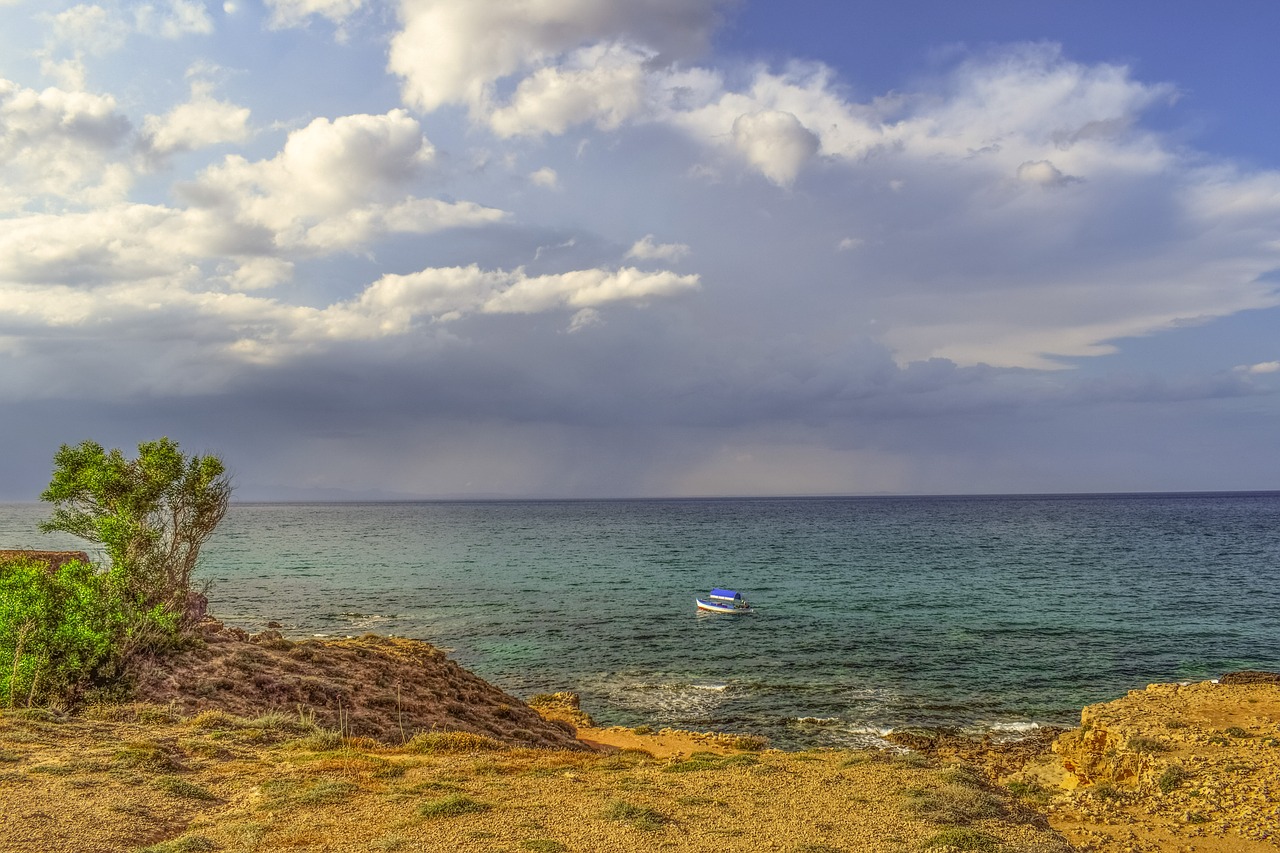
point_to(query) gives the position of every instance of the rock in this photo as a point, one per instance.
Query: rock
(1250, 676)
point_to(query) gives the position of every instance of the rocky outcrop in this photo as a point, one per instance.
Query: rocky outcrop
(385, 688)
(1187, 763)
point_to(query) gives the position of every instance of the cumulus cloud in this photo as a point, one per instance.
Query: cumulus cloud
(605, 85)
(545, 177)
(454, 51)
(59, 143)
(200, 122)
(249, 217)
(1260, 368)
(776, 143)
(335, 185)
(645, 249)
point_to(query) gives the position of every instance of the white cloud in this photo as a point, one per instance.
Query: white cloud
(292, 13)
(90, 28)
(453, 51)
(200, 122)
(545, 177)
(776, 143)
(100, 30)
(59, 143)
(335, 185)
(1041, 172)
(245, 327)
(645, 249)
(849, 243)
(585, 289)
(604, 84)
(1260, 368)
(173, 19)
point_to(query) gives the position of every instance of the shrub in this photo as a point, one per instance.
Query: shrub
(1171, 778)
(954, 804)
(59, 630)
(1146, 744)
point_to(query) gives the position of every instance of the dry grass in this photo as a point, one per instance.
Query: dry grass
(182, 786)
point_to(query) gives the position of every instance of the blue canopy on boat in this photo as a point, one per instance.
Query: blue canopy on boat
(726, 594)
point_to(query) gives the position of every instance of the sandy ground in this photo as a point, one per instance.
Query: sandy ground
(229, 754)
(81, 784)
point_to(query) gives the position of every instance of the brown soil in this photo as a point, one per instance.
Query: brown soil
(389, 689)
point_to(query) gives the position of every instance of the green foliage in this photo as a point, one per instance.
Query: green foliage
(58, 630)
(66, 630)
(151, 515)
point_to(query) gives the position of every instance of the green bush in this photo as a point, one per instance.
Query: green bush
(60, 630)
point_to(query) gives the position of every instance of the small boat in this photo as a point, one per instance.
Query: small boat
(723, 601)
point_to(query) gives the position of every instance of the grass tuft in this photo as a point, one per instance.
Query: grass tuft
(452, 806)
(288, 793)
(1147, 744)
(641, 817)
(955, 805)
(911, 760)
(182, 788)
(215, 720)
(445, 742)
(963, 838)
(144, 755)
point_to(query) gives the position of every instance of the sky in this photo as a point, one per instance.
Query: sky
(392, 249)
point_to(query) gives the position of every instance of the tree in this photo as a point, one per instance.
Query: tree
(151, 515)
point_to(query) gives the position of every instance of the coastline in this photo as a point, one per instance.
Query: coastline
(397, 730)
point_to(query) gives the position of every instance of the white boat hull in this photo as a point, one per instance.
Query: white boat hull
(717, 607)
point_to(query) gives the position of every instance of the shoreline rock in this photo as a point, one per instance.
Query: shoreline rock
(372, 686)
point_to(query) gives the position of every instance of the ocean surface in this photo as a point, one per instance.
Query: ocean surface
(987, 613)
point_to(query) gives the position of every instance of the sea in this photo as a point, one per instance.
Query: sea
(993, 615)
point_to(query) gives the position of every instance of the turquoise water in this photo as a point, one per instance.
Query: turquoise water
(871, 613)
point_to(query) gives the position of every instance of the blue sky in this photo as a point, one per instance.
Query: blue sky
(424, 248)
